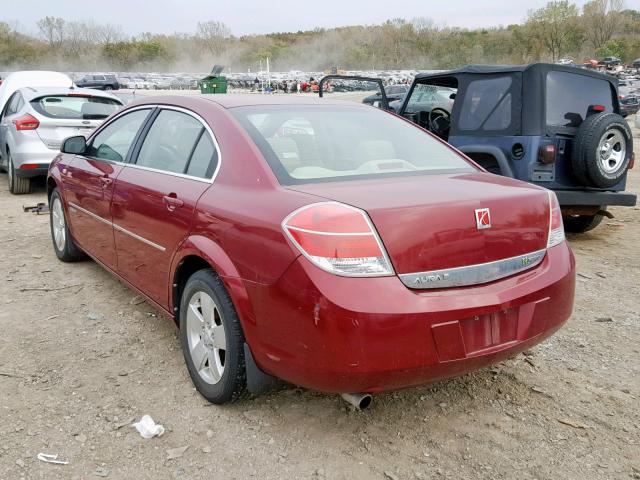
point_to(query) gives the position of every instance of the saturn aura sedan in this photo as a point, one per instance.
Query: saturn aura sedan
(356, 255)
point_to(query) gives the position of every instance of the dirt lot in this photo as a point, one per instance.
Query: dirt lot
(81, 357)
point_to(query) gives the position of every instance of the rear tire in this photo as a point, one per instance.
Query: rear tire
(581, 223)
(64, 246)
(602, 150)
(212, 339)
(17, 185)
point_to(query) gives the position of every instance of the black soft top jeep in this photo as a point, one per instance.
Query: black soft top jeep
(553, 125)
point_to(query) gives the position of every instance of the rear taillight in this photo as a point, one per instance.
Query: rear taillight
(547, 154)
(26, 122)
(29, 166)
(556, 228)
(339, 239)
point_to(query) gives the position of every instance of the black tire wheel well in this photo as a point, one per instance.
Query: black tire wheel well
(187, 267)
(51, 186)
(232, 386)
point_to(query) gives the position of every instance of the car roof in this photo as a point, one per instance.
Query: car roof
(34, 92)
(532, 67)
(244, 100)
(17, 80)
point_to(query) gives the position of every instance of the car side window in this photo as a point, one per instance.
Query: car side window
(14, 104)
(114, 141)
(204, 159)
(170, 142)
(487, 104)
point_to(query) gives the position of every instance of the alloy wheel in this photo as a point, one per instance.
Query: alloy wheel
(612, 150)
(58, 224)
(206, 337)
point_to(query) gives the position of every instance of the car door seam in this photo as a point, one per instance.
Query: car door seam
(118, 227)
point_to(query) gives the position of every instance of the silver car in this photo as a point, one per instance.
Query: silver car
(35, 121)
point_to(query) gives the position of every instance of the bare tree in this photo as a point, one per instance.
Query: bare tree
(108, 33)
(556, 26)
(52, 30)
(212, 35)
(601, 18)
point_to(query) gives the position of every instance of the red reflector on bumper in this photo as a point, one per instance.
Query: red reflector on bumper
(30, 166)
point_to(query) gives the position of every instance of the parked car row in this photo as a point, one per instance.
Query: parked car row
(137, 81)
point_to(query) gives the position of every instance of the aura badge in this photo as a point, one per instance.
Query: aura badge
(483, 218)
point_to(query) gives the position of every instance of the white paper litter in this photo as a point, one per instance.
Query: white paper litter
(48, 458)
(148, 428)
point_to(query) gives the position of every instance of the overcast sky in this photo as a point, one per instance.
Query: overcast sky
(263, 16)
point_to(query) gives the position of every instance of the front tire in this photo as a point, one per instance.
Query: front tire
(212, 339)
(17, 185)
(64, 246)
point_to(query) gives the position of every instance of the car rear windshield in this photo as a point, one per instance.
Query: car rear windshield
(314, 143)
(75, 107)
(569, 97)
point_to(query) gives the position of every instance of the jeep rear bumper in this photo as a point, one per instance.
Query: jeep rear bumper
(568, 198)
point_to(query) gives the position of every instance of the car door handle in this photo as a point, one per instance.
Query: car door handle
(172, 202)
(106, 181)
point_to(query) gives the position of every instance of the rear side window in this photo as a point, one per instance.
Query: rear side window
(569, 97)
(114, 141)
(75, 107)
(487, 105)
(15, 104)
(204, 159)
(170, 142)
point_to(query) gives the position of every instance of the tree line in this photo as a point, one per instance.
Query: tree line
(559, 29)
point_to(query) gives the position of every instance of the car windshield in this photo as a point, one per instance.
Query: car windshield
(307, 144)
(75, 107)
(427, 97)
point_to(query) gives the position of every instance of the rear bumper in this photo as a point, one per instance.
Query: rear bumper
(594, 198)
(41, 171)
(339, 334)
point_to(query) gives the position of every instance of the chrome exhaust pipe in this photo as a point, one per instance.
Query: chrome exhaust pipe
(359, 400)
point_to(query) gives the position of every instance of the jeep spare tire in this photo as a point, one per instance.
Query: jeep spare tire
(602, 150)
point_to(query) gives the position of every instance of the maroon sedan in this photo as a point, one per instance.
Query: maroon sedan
(331, 245)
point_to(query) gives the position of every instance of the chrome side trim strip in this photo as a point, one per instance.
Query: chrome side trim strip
(472, 274)
(138, 237)
(91, 214)
(118, 227)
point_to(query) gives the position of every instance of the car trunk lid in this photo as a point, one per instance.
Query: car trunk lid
(429, 223)
(53, 131)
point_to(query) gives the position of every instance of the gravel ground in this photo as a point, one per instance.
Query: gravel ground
(81, 357)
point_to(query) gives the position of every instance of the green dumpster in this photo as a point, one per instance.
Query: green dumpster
(214, 82)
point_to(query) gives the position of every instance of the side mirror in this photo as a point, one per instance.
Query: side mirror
(75, 145)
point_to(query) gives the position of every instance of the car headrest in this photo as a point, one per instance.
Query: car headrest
(287, 152)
